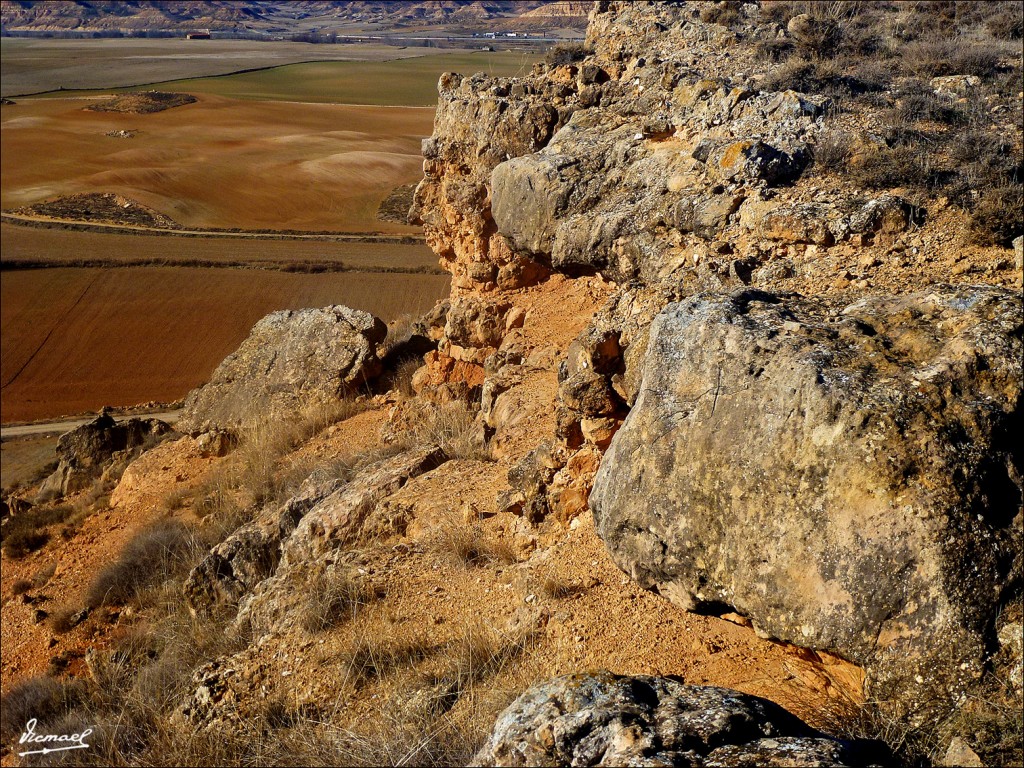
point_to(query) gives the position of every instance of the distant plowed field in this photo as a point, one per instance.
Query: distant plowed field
(78, 339)
(220, 162)
(121, 318)
(55, 247)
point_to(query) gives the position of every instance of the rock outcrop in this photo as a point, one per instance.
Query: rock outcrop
(292, 360)
(660, 163)
(260, 566)
(84, 453)
(251, 553)
(846, 476)
(605, 719)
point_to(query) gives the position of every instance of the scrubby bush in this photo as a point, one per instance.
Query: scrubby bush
(333, 598)
(567, 53)
(152, 556)
(996, 217)
(832, 152)
(38, 697)
(886, 168)
(726, 13)
(26, 532)
(466, 544)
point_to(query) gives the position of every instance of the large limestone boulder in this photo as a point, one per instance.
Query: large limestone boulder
(86, 452)
(605, 719)
(292, 359)
(848, 477)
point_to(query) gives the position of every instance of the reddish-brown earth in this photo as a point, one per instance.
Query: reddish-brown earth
(78, 339)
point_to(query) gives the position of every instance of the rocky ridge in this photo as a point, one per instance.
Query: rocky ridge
(784, 403)
(657, 163)
(292, 360)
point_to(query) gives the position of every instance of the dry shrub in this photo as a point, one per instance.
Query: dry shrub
(567, 53)
(928, 106)
(335, 597)
(836, 78)
(42, 576)
(61, 621)
(164, 549)
(256, 465)
(39, 697)
(832, 152)
(885, 168)
(996, 217)
(319, 415)
(725, 13)
(936, 57)
(872, 724)
(400, 330)
(453, 426)
(417, 725)
(467, 545)
(401, 378)
(1006, 21)
(175, 499)
(25, 533)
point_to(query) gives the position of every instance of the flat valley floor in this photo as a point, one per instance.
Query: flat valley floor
(94, 318)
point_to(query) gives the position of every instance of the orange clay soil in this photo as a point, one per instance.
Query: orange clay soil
(557, 590)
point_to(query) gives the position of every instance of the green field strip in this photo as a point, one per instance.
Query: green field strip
(410, 82)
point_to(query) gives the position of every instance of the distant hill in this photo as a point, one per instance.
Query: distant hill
(275, 17)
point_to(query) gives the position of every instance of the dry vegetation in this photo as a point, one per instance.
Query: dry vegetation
(134, 687)
(144, 102)
(877, 59)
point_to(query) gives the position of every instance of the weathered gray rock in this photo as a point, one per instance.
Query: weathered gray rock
(291, 360)
(333, 524)
(706, 215)
(85, 452)
(848, 477)
(605, 719)
(887, 214)
(251, 553)
(754, 160)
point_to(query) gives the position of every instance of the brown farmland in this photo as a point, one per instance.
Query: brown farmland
(56, 247)
(77, 339)
(220, 162)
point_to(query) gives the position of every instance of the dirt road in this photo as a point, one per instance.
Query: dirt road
(66, 425)
(134, 229)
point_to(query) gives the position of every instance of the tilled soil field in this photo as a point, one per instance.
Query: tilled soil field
(78, 339)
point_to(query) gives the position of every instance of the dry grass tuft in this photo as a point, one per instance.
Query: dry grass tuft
(453, 426)
(162, 551)
(369, 657)
(39, 697)
(468, 545)
(556, 588)
(335, 597)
